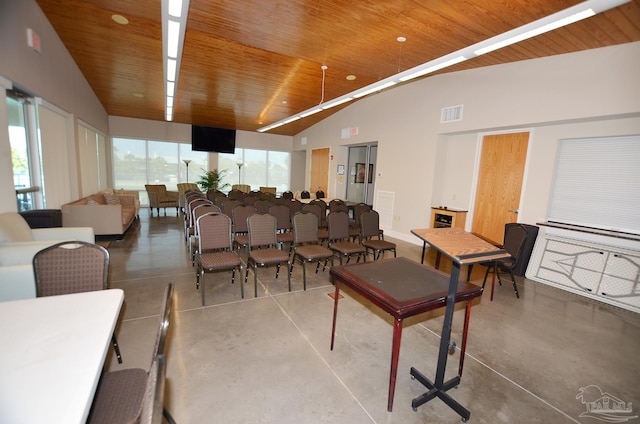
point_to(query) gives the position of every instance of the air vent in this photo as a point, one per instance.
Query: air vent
(451, 114)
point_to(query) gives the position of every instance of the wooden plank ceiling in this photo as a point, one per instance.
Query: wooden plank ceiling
(253, 62)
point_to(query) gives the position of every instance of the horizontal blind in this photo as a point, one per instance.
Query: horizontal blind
(597, 184)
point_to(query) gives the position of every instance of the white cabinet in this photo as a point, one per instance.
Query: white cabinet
(599, 271)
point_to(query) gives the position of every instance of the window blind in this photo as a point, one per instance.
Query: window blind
(597, 184)
(54, 132)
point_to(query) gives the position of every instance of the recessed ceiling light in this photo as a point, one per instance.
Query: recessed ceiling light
(401, 39)
(120, 19)
(138, 95)
(351, 77)
(284, 102)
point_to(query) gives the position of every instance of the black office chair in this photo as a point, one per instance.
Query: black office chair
(515, 238)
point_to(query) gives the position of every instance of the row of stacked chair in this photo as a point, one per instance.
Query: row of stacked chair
(217, 233)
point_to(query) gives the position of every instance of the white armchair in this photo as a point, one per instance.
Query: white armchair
(18, 245)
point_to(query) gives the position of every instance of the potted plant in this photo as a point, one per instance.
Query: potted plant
(212, 180)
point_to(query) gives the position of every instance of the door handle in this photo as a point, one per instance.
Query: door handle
(516, 211)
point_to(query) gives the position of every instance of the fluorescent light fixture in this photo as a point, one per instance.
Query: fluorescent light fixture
(310, 112)
(174, 23)
(430, 67)
(334, 103)
(557, 20)
(293, 118)
(175, 8)
(373, 89)
(171, 69)
(536, 31)
(173, 38)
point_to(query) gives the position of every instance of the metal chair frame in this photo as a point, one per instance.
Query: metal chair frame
(54, 269)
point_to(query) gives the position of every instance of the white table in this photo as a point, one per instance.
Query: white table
(52, 353)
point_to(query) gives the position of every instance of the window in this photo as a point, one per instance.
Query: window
(596, 184)
(40, 138)
(19, 150)
(139, 162)
(93, 159)
(19, 145)
(260, 168)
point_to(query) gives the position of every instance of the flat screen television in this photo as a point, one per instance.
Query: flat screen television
(210, 139)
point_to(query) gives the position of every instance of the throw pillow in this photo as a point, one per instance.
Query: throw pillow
(112, 199)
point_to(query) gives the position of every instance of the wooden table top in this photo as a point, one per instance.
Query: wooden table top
(460, 246)
(400, 286)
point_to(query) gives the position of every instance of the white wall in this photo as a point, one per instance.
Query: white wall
(51, 75)
(426, 163)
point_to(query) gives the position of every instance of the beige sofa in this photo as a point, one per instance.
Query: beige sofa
(108, 212)
(18, 245)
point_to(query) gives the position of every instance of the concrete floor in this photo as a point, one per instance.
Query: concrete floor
(267, 359)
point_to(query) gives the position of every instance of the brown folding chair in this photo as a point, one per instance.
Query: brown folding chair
(72, 267)
(134, 395)
(215, 251)
(263, 205)
(306, 244)
(229, 204)
(323, 211)
(239, 216)
(189, 223)
(262, 248)
(316, 209)
(339, 236)
(198, 211)
(283, 227)
(295, 205)
(370, 236)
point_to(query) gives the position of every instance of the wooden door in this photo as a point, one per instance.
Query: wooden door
(319, 170)
(499, 184)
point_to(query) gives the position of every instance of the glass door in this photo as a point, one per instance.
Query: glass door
(27, 195)
(362, 173)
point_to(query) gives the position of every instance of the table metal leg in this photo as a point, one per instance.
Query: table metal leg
(424, 248)
(439, 387)
(493, 279)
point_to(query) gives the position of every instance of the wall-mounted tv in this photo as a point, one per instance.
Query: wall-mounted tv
(210, 139)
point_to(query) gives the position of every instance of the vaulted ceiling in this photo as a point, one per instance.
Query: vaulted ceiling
(249, 63)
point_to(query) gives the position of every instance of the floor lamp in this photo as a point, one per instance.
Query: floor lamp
(187, 162)
(239, 169)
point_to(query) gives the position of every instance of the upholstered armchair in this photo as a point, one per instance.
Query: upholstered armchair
(269, 190)
(182, 189)
(18, 245)
(245, 188)
(159, 197)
